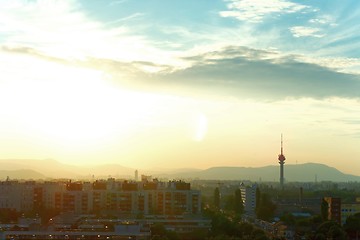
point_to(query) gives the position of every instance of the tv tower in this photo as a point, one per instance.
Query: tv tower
(282, 162)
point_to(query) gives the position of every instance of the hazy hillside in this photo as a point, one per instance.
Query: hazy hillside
(48, 167)
(54, 169)
(20, 174)
(301, 172)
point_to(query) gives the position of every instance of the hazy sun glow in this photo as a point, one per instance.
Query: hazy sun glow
(201, 123)
(146, 85)
(71, 105)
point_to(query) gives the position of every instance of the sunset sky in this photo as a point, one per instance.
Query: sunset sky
(181, 83)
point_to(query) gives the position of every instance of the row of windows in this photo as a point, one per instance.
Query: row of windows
(350, 210)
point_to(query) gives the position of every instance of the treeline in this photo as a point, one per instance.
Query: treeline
(226, 213)
(227, 221)
(225, 225)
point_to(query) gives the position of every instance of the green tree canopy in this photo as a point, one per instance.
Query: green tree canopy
(331, 230)
(239, 204)
(217, 197)
(266, 208)
(324, 210)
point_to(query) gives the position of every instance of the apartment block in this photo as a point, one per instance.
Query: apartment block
(102, 196)
(248, 195)
(334, 208)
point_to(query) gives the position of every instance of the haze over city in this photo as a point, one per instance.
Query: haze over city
(181, 83)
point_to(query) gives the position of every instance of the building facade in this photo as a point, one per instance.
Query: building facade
(348, 209)
(248, 195)
(334, 208)
(102, 196)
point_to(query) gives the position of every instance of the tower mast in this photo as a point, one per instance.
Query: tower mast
(281, 159)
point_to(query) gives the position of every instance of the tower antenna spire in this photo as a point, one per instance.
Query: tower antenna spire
(281, 159)
(282, 144)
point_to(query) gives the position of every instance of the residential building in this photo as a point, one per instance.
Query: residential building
(102, 196)
(348, 209)
(334, 208)
(248, 195)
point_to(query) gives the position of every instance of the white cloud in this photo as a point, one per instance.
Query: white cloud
(301, 31)
(256, 10)
(63, 29)
(125, 19)
(339, 64)
(321, 20)
(117, 2)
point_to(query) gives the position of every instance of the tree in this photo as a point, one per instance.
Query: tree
(238, 205)
(234, 203)
(324, 209)
(217, 198)
(258, 234)
(336, 232)
(198, 234)
(288, 219)
(266, 208)
(352, 225)
(246, 228)
(320, 236)
(331, 230)
(229, 203)
(159, 232)
(257, 196)
(8, 215)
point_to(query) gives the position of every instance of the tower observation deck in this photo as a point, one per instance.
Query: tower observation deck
(282, 159)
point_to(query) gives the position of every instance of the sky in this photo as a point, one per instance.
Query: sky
(181, 83)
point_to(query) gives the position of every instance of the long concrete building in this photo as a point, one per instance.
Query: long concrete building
(102, 196)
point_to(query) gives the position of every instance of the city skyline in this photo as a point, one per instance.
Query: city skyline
(183, 84)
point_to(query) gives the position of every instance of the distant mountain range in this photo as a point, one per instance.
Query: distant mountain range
(306, 172)
(21, 174)
(49, 168)
(42, 169)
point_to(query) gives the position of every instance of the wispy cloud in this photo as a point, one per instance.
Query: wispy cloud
(301, 31)
(62, 29)
(117, 2)
(250, 73)
(257, 10)
(323, 20)
(233, 71)
(338, 64)
(128, 18)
